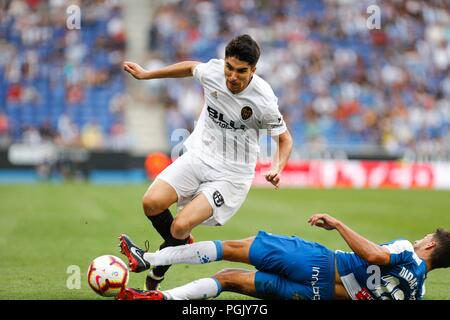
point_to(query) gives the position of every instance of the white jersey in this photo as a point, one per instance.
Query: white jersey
(227, 133)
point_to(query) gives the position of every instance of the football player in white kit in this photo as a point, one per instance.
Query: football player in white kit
(211, 180)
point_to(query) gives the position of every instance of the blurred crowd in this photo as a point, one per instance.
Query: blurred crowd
(341, 85)
(59, 84)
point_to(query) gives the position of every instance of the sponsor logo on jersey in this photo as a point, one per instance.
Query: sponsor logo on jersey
(246, 113)
(218, 118)
(218, 199)
(412, 281)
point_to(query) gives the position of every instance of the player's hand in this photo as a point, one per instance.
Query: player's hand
(134, 69)
(323, 220)
(274, 178)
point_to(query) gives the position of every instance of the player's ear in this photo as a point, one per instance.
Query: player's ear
(430, 245)
(253, 70)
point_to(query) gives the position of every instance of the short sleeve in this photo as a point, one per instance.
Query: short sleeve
(402, 251)
(201, 69)
(272, 120)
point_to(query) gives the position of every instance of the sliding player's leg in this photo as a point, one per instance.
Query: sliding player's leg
(196, 253)
(233, 280)
(202, 252)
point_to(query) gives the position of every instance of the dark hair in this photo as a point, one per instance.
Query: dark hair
(244, 48)
(440, 258)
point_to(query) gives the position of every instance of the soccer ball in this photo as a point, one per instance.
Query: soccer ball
(107, 275)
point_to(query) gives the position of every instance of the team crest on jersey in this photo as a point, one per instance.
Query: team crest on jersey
(246, 113)
(218, 199)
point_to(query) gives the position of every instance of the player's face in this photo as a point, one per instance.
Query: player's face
(424, 241)
(237, 74)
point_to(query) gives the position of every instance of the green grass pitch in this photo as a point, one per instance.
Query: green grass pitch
(46, 228)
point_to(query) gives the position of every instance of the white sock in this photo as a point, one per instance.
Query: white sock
(197, 290)
(196, 253)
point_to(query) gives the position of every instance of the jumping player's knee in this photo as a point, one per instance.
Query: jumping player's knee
(152, 205)
(180, 229)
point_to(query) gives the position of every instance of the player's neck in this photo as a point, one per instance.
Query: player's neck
(425, 256)
(429, 267)
(248, 83)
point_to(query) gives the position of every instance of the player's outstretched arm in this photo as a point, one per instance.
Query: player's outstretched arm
(177, 70)
(363, 247)
(284, 149)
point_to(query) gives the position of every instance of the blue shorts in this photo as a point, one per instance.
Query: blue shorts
(292, 268)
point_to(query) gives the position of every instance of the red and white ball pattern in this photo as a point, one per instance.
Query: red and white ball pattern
(107, 275)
